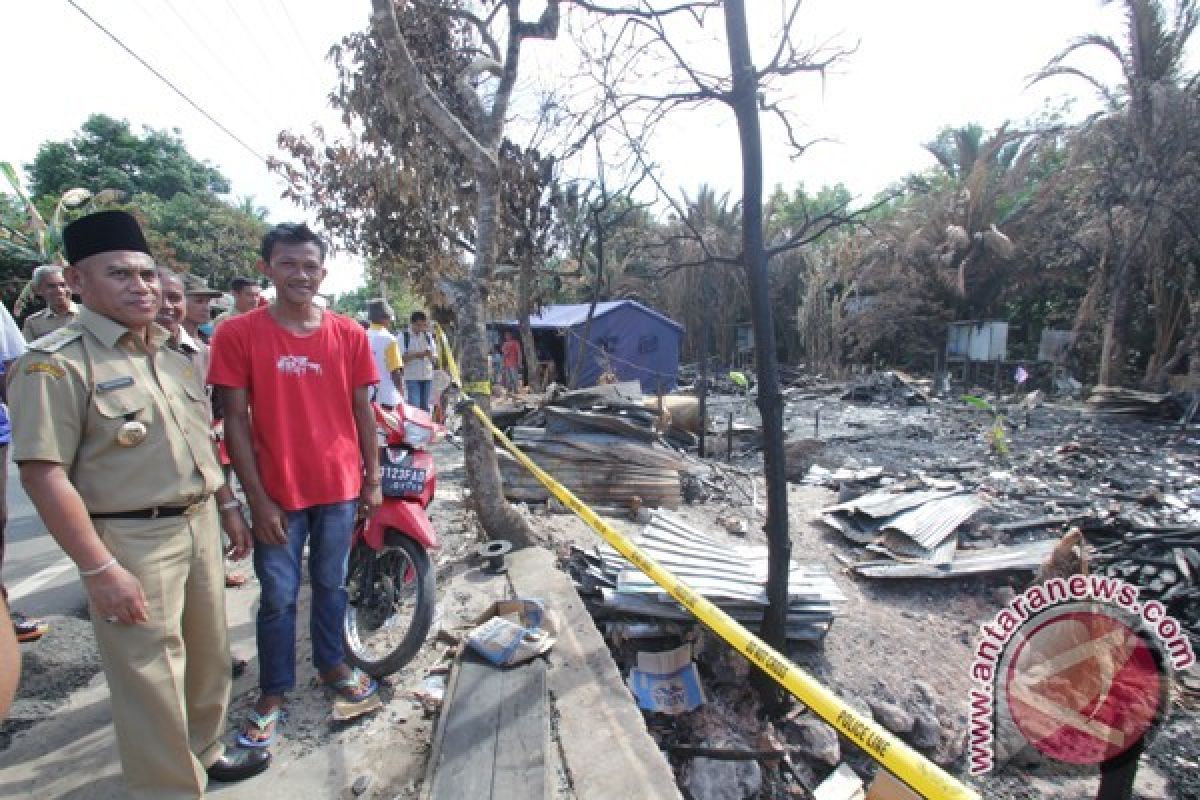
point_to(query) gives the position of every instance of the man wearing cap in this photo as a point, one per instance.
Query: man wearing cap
(198, 297)
(111, 435)
(386, 350)
(50, 285)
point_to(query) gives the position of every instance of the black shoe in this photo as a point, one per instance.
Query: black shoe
(238, 764)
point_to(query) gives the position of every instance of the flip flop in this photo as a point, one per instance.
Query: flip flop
(260, 722)
(351, 689)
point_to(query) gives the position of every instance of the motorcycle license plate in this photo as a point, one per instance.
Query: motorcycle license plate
(401, 481)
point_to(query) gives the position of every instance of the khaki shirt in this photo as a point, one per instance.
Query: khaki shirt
(46, 321)
(72, 392)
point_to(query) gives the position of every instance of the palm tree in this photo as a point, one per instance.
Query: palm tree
(1135, 177)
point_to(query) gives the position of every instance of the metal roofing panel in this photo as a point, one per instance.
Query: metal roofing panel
(966, 562)
(886, 503)
(931, 523)
(571, 314)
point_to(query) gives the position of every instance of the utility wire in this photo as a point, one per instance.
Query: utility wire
(299, 39)
(164, 79)
(240, 83)
(268, 66)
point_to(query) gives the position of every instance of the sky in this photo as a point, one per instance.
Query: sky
(259, 66)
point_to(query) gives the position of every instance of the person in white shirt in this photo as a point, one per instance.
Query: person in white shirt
(12, 345)
(386, 350)
(420, 354)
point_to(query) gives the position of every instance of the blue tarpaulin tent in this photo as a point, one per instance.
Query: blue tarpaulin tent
(635, 342)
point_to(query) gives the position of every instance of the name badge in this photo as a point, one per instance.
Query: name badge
(115, 383)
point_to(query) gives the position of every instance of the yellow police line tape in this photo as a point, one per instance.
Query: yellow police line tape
(922, 775)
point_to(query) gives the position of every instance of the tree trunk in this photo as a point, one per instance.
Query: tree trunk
(770, 398)
(1114, 349)
(524, 312)
(582, 345)
(498, 518)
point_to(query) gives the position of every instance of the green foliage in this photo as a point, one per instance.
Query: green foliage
(188, 226)
(978, 402)
(201, 233)
(107, 154)
(399, 294)
(997, 435)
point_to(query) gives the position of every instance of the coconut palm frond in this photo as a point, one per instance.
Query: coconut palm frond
(1090, 40)
(1110, 99)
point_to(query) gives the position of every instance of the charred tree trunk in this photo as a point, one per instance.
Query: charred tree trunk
(581, 352)
(524, 312)
(1114, 348)
(744, 100)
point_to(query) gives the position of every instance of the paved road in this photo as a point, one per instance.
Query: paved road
(40, 578)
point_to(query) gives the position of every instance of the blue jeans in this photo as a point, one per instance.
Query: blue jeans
(328, 529)
(418, 392)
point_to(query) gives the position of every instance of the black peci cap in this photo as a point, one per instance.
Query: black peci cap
(103, 232)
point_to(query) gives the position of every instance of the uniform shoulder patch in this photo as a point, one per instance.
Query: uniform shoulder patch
(56, 340)
(45, 368)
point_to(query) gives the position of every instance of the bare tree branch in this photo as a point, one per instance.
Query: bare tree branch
(383, 19)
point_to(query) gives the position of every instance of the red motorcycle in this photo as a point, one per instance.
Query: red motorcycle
(390, 579)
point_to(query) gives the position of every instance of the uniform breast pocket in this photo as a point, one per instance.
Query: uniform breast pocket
(121, 415)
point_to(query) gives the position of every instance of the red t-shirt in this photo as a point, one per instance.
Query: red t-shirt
(511, 351)
(301, 402)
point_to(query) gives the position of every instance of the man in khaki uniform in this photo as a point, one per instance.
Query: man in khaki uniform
(50, 285)
(111, 435)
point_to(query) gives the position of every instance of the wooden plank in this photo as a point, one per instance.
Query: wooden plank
(520, 772)
(491, 740)
(465, 762)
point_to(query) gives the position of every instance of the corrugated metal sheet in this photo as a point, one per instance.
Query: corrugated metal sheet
(930, 524)
(1025, 557)
(733, 577)
(571, 314)
(886, 503)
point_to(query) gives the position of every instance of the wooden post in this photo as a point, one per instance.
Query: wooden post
(729, 439)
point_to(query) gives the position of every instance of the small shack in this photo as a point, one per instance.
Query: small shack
(624, 337)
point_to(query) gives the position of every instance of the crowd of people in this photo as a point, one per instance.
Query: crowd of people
(114, 404)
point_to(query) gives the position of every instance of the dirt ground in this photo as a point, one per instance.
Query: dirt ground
(887, 636)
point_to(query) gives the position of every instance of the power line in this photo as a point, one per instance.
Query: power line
(164, 79)
(268, 65)
(299, 39)
(240, 83)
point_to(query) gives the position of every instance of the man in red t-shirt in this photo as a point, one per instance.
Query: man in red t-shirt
(510, 351)
(308, 462)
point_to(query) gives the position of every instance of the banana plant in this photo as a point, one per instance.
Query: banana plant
(35, 240)
(998, 435)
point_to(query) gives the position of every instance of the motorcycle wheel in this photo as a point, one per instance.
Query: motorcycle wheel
(391, 603)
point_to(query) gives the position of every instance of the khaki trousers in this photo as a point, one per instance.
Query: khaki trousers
(170, 677)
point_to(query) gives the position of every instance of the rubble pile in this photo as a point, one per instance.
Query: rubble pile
(916, 532)
(1129, 481)
(890, 386)
(628, 604)
(1115, 400)
(602, 443)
